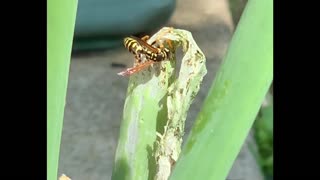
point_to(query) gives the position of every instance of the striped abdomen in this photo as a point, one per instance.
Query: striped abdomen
(132, 45)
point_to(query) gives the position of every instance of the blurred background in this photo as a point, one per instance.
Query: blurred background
(96, 94)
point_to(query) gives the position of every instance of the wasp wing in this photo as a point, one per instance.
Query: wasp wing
(145, 44)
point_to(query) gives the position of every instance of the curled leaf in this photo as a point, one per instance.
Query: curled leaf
(156, 104)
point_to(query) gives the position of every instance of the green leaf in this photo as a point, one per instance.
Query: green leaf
(60, 28)
(234, 99)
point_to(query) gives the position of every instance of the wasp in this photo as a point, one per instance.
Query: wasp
(138, 47)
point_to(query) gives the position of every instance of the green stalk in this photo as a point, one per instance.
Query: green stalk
(60, 29)
(157, 103)
(234, 99)
(143, 115)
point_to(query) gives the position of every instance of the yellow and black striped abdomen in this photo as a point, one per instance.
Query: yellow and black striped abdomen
(132, 45)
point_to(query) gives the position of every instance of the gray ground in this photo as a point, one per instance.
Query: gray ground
(96, 95)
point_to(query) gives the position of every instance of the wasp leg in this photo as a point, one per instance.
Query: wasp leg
(170, 30)
(145, 38)
(169, 43)
(136, 69)
(137, 60)
(161, 46)
(160, 36)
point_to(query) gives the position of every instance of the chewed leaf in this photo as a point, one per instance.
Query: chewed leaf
(156, 106)
(180, 96)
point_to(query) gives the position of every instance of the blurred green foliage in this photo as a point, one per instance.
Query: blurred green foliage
(263, 133)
